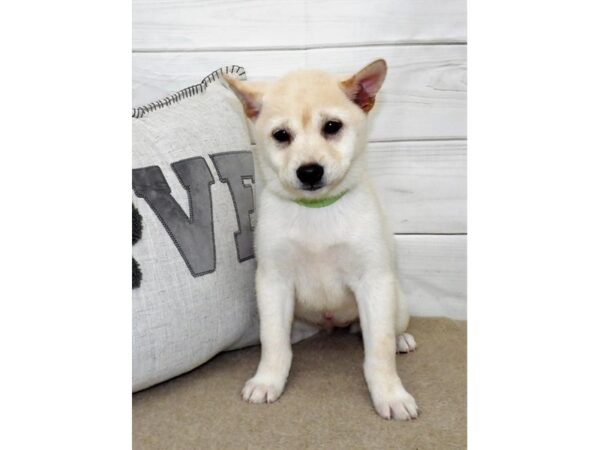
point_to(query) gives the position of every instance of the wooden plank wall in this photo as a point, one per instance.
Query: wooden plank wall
(417, 150)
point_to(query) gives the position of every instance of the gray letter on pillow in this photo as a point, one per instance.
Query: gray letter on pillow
(233, 168)
(193, 236)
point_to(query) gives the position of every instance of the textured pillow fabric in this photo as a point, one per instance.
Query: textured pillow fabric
(192, 187)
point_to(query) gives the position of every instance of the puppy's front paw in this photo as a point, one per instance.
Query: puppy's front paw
(262, 390)
(405, 343)
(398, 404)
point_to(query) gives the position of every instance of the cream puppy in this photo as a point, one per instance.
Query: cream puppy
(325, 254)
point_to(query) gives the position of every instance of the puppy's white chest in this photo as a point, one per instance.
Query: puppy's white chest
(323, 251)
(320, 284)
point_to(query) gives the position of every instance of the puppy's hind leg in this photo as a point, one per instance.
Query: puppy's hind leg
(355, 328)
(405, 342)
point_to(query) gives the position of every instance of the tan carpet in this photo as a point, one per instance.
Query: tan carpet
(325, 405)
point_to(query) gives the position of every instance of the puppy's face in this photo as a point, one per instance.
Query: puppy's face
(310, 127)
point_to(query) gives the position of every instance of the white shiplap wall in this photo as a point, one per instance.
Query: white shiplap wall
(418, 134)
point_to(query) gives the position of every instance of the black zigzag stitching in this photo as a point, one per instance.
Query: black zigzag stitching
(141, 111)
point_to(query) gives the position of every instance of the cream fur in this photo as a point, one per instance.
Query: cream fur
(329, 266)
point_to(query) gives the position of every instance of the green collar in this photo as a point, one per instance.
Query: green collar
(319, 202)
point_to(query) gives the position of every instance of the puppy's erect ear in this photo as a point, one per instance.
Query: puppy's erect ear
(249, 94)
(362, 87)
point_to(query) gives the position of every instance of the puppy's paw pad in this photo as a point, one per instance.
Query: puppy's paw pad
(399, 406)
(256, 391)
(405, 343)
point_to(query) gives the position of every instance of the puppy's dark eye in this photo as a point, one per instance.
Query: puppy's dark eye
(332, 127)
(282, 136)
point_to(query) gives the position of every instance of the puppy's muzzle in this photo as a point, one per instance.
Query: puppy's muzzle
(311, 176)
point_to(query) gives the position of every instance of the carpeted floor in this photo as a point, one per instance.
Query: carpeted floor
(325, 405)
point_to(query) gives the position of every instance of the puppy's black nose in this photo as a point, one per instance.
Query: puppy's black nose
(310, 173)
